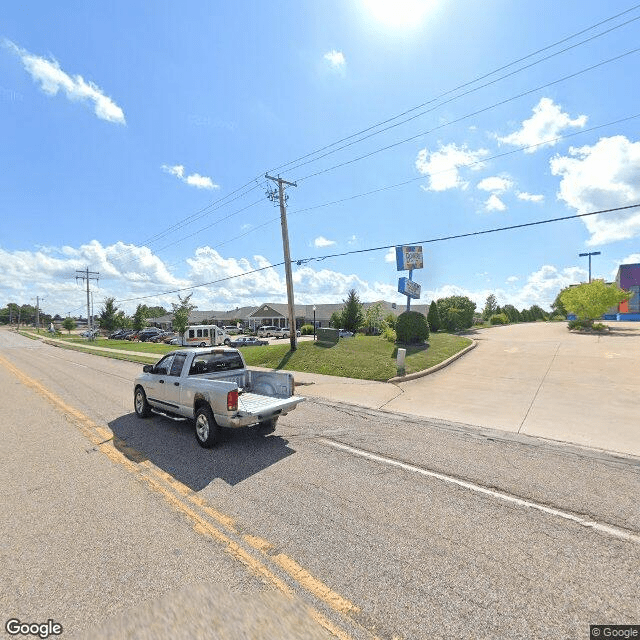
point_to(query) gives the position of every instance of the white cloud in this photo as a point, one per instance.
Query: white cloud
(321, 241)
(53, 79)
(390, 256)
(634, 258)
(493, 203)
(335, 58)
(530, 197)
(603, 176)
(496, 184)
(512, 279)
(547, 123)
(193, 180)
(442, 166)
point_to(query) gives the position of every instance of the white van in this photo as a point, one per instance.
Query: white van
(205, 335)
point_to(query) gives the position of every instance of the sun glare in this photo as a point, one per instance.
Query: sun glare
(399, 14)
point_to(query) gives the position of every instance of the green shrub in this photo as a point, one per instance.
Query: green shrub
(557, 318)
(499, 318)
(598, 326)
(412, 327)
(389, 335)
(306, 330)
(433, 317)
(580, 325)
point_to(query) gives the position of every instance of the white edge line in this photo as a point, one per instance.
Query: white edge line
(603, 528)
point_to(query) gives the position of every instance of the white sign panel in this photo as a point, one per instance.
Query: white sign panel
(409, 257)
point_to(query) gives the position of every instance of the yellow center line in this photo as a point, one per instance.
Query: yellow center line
(157, 479)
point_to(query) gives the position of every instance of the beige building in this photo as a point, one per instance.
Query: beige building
(276, 314)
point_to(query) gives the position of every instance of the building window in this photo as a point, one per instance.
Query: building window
(634, 302)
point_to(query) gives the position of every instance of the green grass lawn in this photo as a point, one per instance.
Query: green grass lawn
(363, 357)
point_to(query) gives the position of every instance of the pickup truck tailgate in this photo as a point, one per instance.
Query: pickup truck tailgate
(259, 405)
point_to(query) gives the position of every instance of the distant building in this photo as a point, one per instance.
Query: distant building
(276, 314)
(628, 278)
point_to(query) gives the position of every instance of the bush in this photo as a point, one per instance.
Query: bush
(598, 326)
(389, 335)
(306, 330)
(412, 327)
(557, 318)
(456, 313)
(498, 318)
(580, 325)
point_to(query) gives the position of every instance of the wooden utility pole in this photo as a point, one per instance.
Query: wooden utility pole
(281, 197)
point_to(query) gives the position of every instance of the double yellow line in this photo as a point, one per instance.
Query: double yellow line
(206, 520)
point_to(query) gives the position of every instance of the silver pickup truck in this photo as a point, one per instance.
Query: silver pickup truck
(213, 387)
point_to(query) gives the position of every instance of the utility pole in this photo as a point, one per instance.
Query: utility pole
(282, 199)
(38, 298)
(86, 276)
(593, 253)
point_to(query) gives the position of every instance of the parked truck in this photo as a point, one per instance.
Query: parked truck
(214, 388)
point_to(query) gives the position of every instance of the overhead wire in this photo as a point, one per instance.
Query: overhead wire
(469, 115)
(475, 80)
(456, 97)
(301, 261)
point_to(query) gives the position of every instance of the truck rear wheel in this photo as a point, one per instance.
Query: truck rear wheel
(206, 427)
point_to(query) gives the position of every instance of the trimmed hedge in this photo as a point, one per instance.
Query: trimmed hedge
(412, 328)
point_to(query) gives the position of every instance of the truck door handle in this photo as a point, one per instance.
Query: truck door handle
(161, 381)
(177, 384)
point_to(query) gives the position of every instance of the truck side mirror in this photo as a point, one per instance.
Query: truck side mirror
(148, 368)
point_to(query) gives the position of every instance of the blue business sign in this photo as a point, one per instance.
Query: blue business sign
(409, 288)
(409, 258)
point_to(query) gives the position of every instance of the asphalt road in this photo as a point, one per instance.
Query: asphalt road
(346, 522)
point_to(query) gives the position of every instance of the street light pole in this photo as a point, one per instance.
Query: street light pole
(314, 322)
(593, 253)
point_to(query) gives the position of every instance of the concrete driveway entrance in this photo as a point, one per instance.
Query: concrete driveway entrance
(540, 380)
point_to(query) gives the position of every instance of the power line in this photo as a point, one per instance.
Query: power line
(469, 115)
(469, 234)
(469, 83)
(450, 100)
(301, 261)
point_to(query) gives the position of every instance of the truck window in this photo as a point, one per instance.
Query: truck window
(191, 333)
(178, 363)
(215, 362)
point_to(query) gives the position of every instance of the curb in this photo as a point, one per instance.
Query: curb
(437, 367)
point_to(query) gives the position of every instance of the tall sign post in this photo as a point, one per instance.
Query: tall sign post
(409, 258)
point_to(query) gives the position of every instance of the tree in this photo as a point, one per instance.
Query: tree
(352, 317)
(456, 312)
(156, 312)
(490, 307)
(123, 321)
(373, 318)
(590, 301)
(557, 306)
(140, 317)
(390, 320)
(336, 320)
(538, 313)
(181, 313)
(69, 324)
(512, 313)
(108, 317)
(433, 317)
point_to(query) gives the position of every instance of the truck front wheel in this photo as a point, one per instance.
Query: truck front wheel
(206, 427)
(143, 410)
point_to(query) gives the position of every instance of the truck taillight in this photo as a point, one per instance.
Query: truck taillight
(232, 400)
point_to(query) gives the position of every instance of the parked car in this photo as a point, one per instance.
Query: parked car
(161, 337)
(248, 341)
(90, 333)
(232, 330)
(149, 332)
(266, 331)
(343, 333)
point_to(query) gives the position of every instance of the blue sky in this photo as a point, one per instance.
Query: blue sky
(126, 130)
